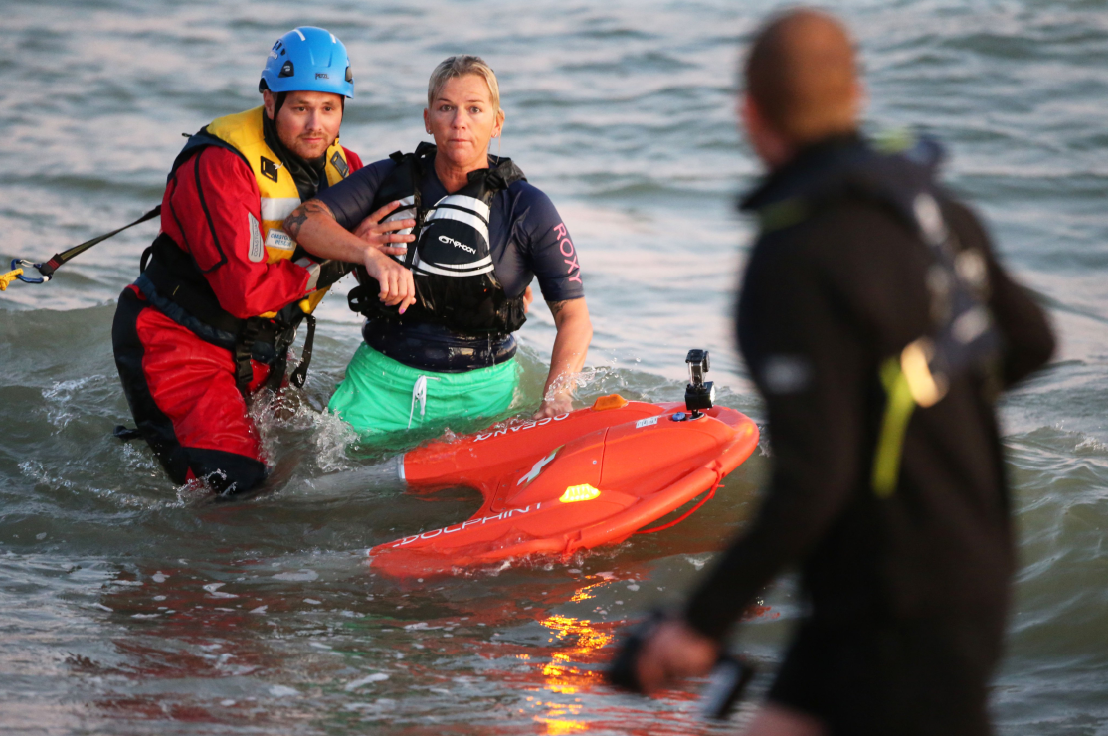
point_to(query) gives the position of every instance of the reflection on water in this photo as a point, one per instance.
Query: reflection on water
(349, 650)
(587, 638)
(562, 673)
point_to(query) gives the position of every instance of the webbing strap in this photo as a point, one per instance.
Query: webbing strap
(243, 354)
(300, 373)
(164, 269)
(60, 259)
(899, 406)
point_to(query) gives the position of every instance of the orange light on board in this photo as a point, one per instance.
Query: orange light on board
(582, 492)
(611, 401)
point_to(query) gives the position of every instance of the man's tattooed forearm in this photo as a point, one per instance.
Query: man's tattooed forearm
(300, 215)
(294, 221)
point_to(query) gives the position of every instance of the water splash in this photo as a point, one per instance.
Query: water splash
(60, 399)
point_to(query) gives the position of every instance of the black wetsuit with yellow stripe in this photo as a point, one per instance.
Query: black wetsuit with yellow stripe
(909, 587)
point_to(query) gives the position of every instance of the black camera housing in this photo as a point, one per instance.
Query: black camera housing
(699, 394)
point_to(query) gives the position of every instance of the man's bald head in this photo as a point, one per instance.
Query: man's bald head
(802, 77)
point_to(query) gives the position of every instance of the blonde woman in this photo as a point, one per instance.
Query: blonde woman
(440, 315)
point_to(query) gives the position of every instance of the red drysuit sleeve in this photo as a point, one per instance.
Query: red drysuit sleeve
(212, 209)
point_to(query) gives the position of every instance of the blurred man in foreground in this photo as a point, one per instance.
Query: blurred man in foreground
(879, 328)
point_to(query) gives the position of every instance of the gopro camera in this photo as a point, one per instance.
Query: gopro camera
(699, 394)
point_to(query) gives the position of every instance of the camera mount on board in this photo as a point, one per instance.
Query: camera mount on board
(699, 395)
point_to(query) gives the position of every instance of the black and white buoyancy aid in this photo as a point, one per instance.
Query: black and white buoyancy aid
(451, 258)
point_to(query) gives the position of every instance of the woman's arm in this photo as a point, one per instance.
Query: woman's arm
(313, 226)
(571, 317)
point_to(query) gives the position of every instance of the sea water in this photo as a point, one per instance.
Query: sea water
(129, 606)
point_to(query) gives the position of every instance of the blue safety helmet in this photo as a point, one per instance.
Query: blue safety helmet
(308, 58)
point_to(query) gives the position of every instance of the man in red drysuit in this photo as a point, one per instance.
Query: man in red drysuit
(222, 289)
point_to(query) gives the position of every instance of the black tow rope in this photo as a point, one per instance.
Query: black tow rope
(46, 270)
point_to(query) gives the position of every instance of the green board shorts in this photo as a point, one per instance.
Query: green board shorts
(380, 396)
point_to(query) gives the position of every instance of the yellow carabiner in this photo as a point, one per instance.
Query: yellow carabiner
(9, 277)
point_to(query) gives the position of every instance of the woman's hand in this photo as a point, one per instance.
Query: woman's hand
(554, 406)
(383, 235)
(397, 285)
(571, 345)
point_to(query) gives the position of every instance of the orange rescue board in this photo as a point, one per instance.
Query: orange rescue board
(575, 481)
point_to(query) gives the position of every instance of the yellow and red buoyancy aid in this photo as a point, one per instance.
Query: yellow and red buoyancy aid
(244, 133)
(178, 278)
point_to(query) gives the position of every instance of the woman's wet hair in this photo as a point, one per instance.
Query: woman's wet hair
(460, 66)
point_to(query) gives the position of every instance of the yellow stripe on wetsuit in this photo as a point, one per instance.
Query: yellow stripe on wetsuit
(908, 383)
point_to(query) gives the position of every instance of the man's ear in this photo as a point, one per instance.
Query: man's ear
(770, 145)
(269, 100)
(749, 114)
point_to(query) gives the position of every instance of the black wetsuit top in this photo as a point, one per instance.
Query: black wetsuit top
(908, 594)
(526, 239)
